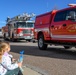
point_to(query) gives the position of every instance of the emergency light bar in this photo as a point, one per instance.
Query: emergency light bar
(71, 5)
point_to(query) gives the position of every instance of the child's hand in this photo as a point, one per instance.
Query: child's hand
(14, 60)
(20, 64)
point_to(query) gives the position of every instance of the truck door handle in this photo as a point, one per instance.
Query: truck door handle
(52, 26)
(64, 25)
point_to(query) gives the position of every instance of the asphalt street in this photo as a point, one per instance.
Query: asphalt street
(53, 61)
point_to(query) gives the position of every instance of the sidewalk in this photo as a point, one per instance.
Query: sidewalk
(28, 71)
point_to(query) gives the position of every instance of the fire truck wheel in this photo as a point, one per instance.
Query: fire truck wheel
(12, 39)
(67, 47)
(33, 40)
(41, 44)
(4, 36)
(28, 40)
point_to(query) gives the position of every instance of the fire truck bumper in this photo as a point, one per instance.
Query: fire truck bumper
(25, 37)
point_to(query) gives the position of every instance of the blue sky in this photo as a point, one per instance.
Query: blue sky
(15, 7)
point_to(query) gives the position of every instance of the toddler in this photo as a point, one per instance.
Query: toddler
(8, 68)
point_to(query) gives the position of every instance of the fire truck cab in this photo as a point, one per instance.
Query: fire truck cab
(56, 27)
(19, 28)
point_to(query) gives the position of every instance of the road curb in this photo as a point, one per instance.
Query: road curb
(29, 71)
(36, 69)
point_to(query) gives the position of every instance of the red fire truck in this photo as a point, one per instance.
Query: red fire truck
(56, 27)
(20, 27)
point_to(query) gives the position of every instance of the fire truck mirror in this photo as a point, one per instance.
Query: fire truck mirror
(14, 24)
(8, 18)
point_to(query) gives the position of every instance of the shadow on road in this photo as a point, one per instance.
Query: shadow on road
(59, 53)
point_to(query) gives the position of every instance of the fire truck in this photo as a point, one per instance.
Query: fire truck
(20, 27)
(57, 27)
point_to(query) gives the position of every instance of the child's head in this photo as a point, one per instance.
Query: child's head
(5, 46)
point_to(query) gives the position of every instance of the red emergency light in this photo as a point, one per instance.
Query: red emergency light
(71, 5)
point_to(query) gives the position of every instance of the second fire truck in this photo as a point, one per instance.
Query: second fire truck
(57, 27)
(20, 27)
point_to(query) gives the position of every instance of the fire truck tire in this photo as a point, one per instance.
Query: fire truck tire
(67, 47)
(41, 44)
(12, 39)
(4, 36)
(34, 41)
(28, 40)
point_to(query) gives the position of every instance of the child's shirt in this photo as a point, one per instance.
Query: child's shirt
(2, 70)
(7, 63)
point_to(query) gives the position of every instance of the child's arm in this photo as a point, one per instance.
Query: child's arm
(10, 56)
(6, 62)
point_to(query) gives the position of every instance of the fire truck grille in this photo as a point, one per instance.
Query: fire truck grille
(26, 31)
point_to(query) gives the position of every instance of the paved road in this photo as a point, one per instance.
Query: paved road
(53, 61)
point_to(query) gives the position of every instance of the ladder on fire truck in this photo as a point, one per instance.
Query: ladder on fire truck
(22, 17)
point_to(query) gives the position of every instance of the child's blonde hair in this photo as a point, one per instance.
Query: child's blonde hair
(3, 47)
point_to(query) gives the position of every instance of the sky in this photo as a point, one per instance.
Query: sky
(13, 8)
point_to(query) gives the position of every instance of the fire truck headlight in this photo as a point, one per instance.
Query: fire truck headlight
(32, 32)
(21, 34)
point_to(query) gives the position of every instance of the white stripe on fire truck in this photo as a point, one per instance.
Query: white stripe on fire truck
(64, 36)
(41, 29)
(56, 36)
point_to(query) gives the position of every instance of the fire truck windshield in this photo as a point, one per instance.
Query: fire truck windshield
(30, 25)
(24, 25)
